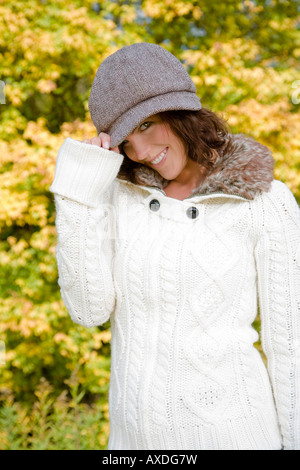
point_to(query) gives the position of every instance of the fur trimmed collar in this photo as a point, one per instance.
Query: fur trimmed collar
(244, 167)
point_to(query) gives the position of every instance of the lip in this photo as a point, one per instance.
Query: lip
(163, 160)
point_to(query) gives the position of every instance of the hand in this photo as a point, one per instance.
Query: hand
(103, 140)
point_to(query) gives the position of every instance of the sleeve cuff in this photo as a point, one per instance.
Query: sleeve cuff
(84, 172)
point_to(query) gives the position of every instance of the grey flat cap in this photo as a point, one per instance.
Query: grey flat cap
(135, 83)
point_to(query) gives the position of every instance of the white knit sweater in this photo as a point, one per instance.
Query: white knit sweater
(181, 293)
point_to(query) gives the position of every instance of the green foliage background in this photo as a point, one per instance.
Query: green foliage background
(244, 59)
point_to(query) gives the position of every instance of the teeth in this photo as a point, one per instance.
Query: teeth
(159, 158)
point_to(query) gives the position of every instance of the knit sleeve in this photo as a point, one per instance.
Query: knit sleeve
(278, 268)
(83, 186)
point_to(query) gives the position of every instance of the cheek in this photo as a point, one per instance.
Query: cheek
(162, 134)
(175, 166)
(180, 157)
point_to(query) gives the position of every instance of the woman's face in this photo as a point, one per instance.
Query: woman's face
(155, 145)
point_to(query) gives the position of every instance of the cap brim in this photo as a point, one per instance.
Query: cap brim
(126, 123)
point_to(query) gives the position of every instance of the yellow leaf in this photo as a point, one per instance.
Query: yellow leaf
(46, 86)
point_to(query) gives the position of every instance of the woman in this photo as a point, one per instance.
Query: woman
(175, 230)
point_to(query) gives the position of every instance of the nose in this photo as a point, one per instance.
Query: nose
(137, 148)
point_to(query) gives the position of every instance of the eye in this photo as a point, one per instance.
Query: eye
(145, 125)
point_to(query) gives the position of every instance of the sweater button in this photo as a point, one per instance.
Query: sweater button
(192, 212)
(154, 205)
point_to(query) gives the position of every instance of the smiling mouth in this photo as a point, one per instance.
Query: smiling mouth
(157, 160)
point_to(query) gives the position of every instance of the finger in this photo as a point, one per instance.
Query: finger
(105, 140)
(96, 141)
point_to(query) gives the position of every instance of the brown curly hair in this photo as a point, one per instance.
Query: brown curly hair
(202, 132)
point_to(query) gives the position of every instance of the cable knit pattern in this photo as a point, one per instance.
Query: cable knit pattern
(137, 318)
(83, 285)
(182, 294)
(162, 414)
(277, 260)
